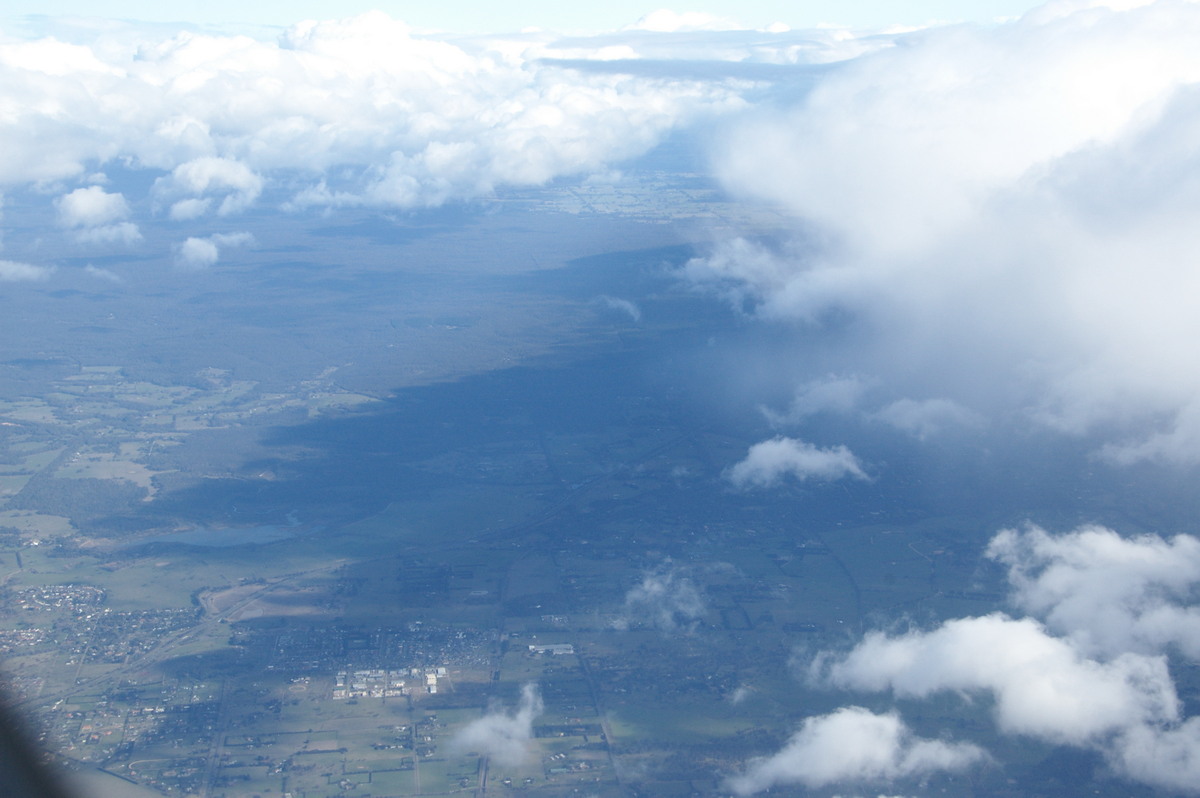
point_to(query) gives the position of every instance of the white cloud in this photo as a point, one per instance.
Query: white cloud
(1093, 676)
(768, 462)
(1005, 214)
(91, 207)
(503, 736)
(347, 112)
(233, 181)
(1165, 757)
(1109, 594)
(97, 217)
(1042, 685)
(853, 745)
(15, 271)
(199, 253)
(666, 599)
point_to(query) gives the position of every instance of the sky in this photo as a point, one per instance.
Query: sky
(476, 17)
(992, 232)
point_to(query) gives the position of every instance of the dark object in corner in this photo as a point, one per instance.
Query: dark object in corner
(22, 775)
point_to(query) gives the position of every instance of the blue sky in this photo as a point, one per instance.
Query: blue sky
(477, 16)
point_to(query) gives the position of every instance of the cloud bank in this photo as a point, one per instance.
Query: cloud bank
(347, 112)
(1003, 214)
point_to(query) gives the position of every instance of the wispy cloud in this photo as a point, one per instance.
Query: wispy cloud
(666, 599)
(15, 271)
(621, 306)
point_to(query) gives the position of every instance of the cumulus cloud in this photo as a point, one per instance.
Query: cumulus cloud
(15, 271)
(1090, 670)
(200, 253)
(666, 599)
(1004, 213)
(1109, 594)
(768, 462)
(504, 736)
(96, 216)
(853, 745)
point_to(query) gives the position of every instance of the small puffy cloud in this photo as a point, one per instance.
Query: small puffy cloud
(666, 599)
(97, 217)
(853, 745)
(503, 736)
(199, 253)
(768, 462)
(1109, 594)
(91, 207)
(15, 271)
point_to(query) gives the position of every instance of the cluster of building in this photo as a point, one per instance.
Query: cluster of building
(381, 683)
(58, 597)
